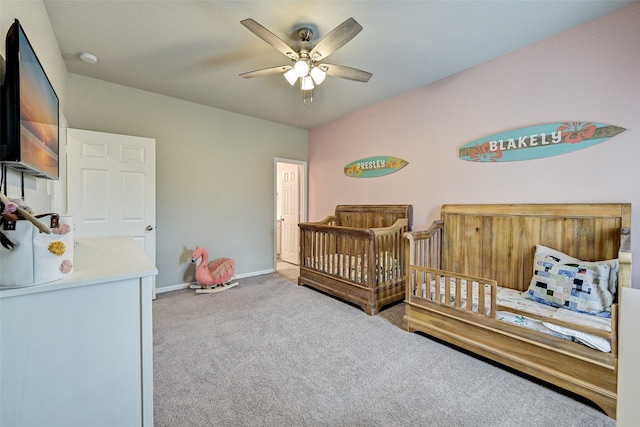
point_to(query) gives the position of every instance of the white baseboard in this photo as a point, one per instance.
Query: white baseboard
(186, 285)
(173, 287)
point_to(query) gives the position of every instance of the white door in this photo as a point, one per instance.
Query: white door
(111, 186)
(290, 213)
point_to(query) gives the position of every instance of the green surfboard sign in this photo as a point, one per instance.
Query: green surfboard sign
(374, 166)
(535, 142)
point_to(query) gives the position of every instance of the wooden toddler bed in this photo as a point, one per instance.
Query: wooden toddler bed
(466, 272)
(358, 254)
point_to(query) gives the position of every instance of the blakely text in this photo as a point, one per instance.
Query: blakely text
(535, 140)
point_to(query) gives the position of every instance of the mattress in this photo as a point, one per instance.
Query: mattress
(354, 267)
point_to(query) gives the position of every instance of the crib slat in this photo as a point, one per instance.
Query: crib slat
(446, 281)
(494, 294)
(481, 299)
(349, 259)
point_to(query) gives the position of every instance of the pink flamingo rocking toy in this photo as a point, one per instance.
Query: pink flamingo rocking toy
(212, 277)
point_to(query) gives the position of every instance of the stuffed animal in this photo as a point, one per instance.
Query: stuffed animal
(212, 277)
(11, 210)
(16, 205)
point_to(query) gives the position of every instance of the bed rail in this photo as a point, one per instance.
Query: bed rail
(424, 249)
(467, 293)
(423, 288)
(334, 250)
(330, 220)
(425, 246)
(624, 257)
(390, 249)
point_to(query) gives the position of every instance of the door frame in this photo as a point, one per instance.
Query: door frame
(302, 200)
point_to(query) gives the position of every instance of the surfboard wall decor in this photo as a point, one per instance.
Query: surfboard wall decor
(374, 166)
(535, 142)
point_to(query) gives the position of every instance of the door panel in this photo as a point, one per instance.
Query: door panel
(111, 186)
(290, 214)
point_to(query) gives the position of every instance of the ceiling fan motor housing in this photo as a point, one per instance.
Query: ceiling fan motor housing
(305, 34)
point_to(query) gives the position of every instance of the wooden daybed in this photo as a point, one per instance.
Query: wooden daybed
(336, 254)
(491, 247)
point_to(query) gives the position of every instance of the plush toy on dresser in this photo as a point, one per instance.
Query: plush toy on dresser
(34, 249)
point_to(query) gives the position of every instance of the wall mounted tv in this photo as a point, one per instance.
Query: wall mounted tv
(30, 113)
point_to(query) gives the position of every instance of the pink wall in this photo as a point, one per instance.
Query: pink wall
(590, 73)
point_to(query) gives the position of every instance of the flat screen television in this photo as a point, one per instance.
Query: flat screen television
(30, 113)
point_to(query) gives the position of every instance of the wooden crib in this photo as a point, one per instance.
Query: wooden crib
(358, 254)
(494, 245)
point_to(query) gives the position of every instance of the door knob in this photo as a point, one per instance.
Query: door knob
(149, 228)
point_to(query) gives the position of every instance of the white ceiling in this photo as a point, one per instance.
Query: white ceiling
(195, 50)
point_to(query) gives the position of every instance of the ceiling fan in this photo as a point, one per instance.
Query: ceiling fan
(307, 65)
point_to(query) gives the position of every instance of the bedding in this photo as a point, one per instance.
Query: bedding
(353, 268)
(512, 299)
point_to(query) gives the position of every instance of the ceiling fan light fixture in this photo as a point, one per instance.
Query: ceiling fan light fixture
(301, 67)
(307, 95)
(306, 83)
(318, 75)
(291, 76)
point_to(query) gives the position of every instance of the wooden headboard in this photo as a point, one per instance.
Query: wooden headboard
(372, 216)
(498, 241)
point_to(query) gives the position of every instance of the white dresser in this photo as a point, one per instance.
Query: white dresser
(78, 351)
(629, 354)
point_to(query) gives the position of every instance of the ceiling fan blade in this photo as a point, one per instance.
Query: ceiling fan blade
(269, 37)
(337, 38)
(266, 71)
(346, 72)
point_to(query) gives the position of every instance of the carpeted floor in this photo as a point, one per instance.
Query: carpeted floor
(272, 353)
(291, 272)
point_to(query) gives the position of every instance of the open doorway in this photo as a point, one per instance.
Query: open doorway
(290, 206)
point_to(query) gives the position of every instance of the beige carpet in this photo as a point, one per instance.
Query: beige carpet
(392, 313)
(271, 353)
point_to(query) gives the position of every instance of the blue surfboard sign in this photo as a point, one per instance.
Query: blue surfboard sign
(374, 166)
(536, 142)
